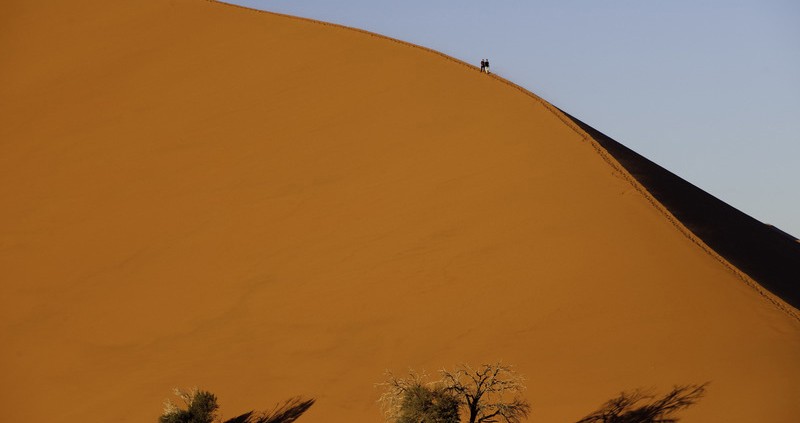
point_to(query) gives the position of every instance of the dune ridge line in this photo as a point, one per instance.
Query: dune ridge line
(777, 302)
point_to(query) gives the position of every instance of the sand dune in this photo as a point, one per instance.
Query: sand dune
(764, 252)
(199, 194)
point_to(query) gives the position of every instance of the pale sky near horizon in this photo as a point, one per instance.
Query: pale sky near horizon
(708, 89)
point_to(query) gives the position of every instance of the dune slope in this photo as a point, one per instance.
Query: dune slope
(767, 254)
(199, 194)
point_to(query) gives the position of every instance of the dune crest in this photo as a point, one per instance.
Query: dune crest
(197, 194)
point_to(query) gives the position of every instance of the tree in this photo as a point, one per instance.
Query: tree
(201, 407)
(639, 407)
(490, 393)
(411, 400)
(425, 404)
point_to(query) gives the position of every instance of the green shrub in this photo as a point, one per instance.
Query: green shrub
(423, 404)
(201, 407)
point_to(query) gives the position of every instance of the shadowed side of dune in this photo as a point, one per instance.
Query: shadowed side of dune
(764, 252)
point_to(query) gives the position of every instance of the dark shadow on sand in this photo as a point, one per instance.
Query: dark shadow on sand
(640, 407)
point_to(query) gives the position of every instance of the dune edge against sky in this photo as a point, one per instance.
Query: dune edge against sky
(608, 158)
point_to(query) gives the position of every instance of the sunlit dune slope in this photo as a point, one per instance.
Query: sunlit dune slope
(198, 194)
(767, 254)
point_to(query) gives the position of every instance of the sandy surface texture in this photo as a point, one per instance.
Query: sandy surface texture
(762, 251)
(198, 194)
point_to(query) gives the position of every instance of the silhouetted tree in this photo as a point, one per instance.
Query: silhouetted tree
(638, 407)
(201, 407)
(490, 393)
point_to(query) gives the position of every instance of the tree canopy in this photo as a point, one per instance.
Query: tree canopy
(488, 394)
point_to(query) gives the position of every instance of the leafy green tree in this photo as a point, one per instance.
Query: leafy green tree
(426, 404)
(201, 407)
(411, 400)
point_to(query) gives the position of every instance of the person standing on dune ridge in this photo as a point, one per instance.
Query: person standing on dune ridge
(483, 65)
(486, 64)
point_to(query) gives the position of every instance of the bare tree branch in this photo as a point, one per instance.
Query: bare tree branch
(491, 393)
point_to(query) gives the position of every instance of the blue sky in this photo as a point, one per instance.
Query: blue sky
(709, 89)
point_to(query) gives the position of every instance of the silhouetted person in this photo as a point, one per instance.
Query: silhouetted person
(483, 65)
(486, 64)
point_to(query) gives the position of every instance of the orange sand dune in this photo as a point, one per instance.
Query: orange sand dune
(198, 194)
